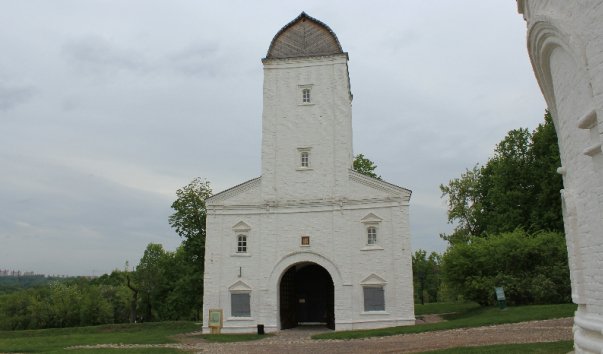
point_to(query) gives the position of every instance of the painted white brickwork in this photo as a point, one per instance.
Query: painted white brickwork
(326, 201)
(565, 43)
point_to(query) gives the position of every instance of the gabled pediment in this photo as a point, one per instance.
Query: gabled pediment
(372, 186)
(243, 193)
(241, 227)
(373, 279)
(371, 218)
(239, 286)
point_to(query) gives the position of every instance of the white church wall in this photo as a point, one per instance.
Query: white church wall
(566, 49)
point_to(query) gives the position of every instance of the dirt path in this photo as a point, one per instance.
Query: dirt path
(298, 340)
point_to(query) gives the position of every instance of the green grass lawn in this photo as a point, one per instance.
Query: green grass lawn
(472, 317)
(55, 339)
(444, 307)
(561, 347)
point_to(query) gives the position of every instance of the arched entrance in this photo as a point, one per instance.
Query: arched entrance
(307, 296)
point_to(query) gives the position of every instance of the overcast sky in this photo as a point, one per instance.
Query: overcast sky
(107, 107)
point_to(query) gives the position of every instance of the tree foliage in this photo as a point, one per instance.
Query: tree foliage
(532, 268)
(151, 280)
(189, 221)
(426, 276)
(189, 211)
(509, 227)
(517, 187)
(164, 285)
(365, 166)
(77, 302)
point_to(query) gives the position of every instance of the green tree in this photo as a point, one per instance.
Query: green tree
(64, 301)
(545, 213)
(532, 268)
(151, 280)
(517, 187)
(464, 205)
(189, 221)
(426, 275)
(365, 166)
(95, 308)
(507, 184)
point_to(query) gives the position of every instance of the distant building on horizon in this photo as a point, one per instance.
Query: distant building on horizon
(17, 273)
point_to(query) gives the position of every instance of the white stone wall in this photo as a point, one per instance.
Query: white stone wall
(338, 243)
(565, 43)
(324, 126)
(326, 201)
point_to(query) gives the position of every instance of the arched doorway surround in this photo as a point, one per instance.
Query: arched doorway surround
(306, 296)
(297, 261)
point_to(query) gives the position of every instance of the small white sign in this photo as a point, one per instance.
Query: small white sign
(500, 293)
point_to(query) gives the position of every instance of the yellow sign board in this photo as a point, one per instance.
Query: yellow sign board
(215, 319)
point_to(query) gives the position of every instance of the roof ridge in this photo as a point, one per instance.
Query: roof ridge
(302, 15)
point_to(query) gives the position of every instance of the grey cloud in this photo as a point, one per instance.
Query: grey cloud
(60, 206)
(11, 96)
(199, 59)
(183, 98)
(98, 55)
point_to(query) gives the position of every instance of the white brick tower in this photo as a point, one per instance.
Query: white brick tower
(310, 241)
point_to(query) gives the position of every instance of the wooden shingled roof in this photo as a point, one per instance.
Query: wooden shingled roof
(305, 36)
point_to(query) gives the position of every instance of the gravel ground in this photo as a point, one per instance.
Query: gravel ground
(298, 340)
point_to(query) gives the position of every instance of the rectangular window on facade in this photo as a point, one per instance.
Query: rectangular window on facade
(374, 299)
(372, 235)
(240, 305)
(241, 244)
(306, 95)
(305, 159)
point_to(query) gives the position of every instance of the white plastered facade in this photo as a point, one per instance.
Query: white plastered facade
(326, 201)
(565, 43)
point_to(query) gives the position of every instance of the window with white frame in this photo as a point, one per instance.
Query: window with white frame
(373, 292)
(306, 95)
(240, 299)
(371, 232)
(304, 158)
(374, 298)
(242, 243)
(371, 229)
(240, 304)
(241, 239)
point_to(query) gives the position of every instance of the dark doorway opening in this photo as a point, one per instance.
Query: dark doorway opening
(307, 296)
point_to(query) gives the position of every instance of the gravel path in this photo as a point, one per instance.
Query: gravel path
(298, 340)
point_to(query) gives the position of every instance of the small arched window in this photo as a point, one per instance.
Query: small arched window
(242, 244)
(306, 95)
(371, 235)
